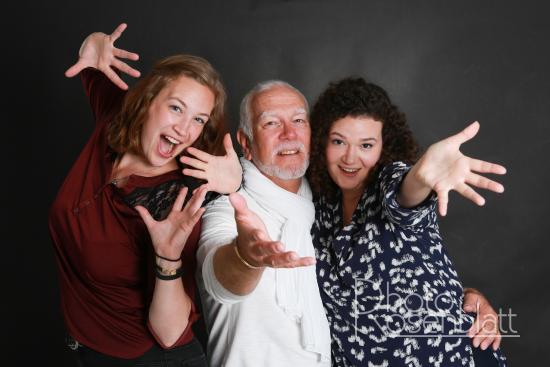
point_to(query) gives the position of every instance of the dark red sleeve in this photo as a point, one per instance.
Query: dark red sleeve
(105, 98)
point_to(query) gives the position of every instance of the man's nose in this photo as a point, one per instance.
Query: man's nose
(289, 131)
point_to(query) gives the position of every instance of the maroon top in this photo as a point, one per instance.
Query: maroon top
(102, 246)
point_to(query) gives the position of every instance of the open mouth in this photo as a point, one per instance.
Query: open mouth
(349, 171)
(167, 145)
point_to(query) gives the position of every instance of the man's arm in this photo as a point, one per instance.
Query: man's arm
(234, 268)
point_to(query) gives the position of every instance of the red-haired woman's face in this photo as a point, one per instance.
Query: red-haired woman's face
(353, 148)
(175, 120)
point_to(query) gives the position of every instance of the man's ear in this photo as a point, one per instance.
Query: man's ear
(245, 144)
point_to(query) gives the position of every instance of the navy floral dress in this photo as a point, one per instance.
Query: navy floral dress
(390, 291)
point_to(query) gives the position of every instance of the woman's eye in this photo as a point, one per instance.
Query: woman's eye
(200, 120)
(366, 146)
(337, 142)
(175, 108)
(300, 121)
(271, 123)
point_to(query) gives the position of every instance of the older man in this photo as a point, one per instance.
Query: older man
(261, 300)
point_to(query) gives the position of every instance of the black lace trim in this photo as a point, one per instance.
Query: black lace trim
(159, 199)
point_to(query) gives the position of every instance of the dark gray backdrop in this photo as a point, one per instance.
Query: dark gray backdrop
(446, 63)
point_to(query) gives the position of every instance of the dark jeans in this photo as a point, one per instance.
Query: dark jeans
(188, 355)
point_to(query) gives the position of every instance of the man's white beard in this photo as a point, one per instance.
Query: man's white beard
(275, 171)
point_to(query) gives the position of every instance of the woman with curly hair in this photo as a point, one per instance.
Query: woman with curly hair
(390, 290)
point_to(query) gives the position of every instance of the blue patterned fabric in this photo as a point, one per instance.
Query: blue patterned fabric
(390, 291)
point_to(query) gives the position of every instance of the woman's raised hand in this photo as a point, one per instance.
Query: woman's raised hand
(170, 235)
(444, 168)
(98, 51)
(222, 173)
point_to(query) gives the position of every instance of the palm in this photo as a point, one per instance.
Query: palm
(223, 173)
(444, 168)
(170, 235)
(98, 51)
(254, 243)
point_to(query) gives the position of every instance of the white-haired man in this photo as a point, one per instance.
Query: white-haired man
(259, 289)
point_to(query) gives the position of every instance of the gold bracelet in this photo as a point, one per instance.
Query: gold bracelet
(246, 263)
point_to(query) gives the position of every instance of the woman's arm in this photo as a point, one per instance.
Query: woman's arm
(170, 306)
(444, 168)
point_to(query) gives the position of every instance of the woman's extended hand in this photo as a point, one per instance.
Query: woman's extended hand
(444, 168)
(170, 235)
(222, 173)
(98, 51)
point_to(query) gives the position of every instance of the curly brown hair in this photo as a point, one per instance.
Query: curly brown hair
(356, 97)
(124, 132)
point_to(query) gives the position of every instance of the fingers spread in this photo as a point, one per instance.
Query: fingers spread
(114, 78)
(198, 214)
(228, 144)
(145, 216)
(470, 194)
(484, 183)
(178, 204)
(443, 199)
(75, 69)
(125, 68)
(288, 260)
(266, 248)
(469, 132)
(203, 156)
(123, 54)
(201, 175)
(118, 31)
(196, 200)
(481, 166)
(195, 163)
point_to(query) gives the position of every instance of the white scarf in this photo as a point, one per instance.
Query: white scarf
(297, 292)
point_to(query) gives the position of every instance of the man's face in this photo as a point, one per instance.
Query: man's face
(281, 134)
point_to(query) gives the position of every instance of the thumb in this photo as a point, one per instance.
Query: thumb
(75, 69)
(145, 216)
(228, 144)
(468, 133)
(238, 203)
